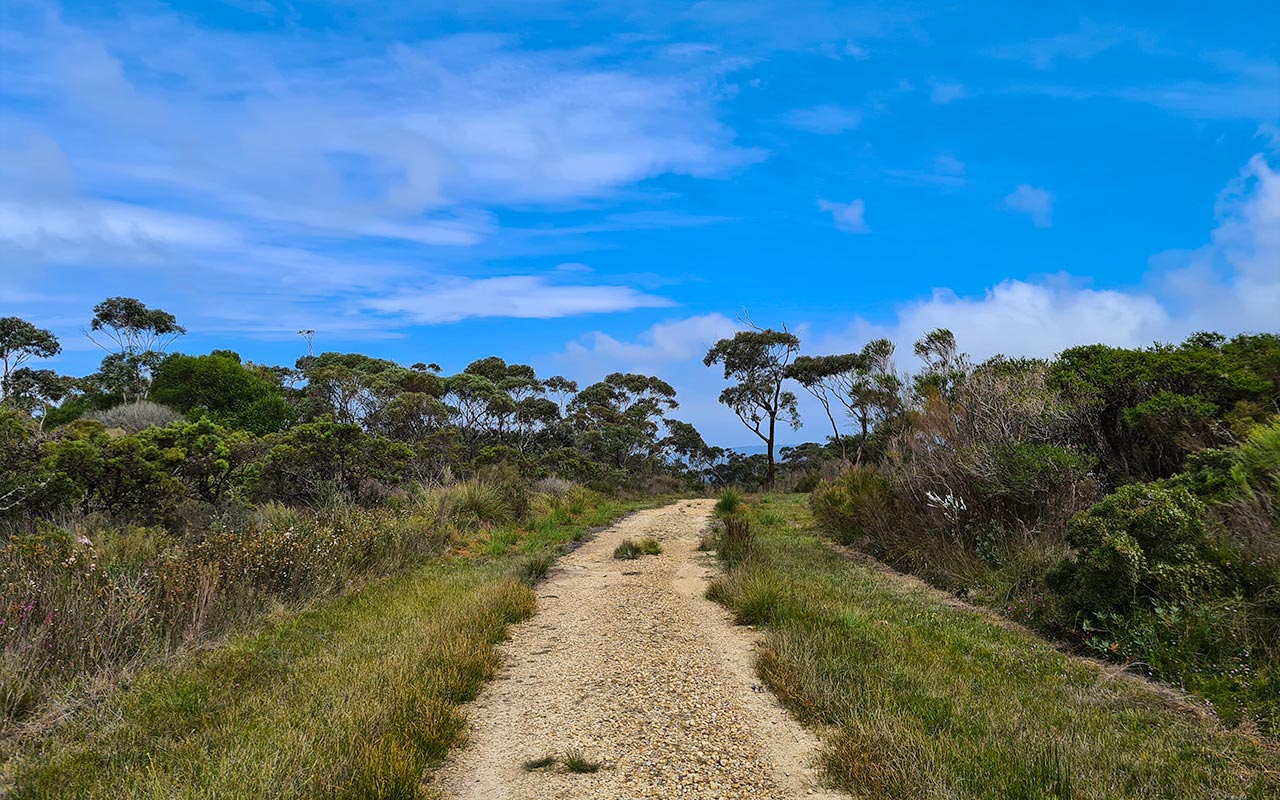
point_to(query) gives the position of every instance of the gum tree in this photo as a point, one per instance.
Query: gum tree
(757, 361)
(20, 341)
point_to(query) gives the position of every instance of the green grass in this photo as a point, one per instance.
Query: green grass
(924, 700)
(627, 550)
(576, 762)
(650, 547)
(355, 697)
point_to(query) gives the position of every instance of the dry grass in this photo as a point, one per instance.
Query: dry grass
(355, 697)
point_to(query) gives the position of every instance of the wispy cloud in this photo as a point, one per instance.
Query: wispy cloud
(942, 93)
(514, 296)
(292, 163)
(826, 119)
(847, 216)
(1033, 201)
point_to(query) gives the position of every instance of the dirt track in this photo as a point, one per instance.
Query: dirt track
(627, 663)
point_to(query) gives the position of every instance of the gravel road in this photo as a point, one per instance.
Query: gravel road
(627, 663)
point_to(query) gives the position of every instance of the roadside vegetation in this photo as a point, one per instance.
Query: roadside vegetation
(354, 696)
(921, 698)
(168, 500)
(1125, 501)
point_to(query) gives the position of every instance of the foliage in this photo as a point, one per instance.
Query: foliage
(20, 341)
(920, 698)
(220, 387)
(757, 362)
(1144, 545)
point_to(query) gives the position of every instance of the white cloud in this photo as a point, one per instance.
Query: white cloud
(825, 119)
(675, 340)
(847, 216)
(517, 296)
(944, 93)
(326, 170)
(1033, 201)
(674, 350)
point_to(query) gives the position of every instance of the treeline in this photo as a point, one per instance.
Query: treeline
(1126, 500)
(166, 438)
(167, 499)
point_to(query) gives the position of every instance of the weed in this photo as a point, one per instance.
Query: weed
(542, 762)
(650, 547)
(628, 550)
(576, 762)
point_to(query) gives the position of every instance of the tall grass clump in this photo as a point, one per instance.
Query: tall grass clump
(729, 502)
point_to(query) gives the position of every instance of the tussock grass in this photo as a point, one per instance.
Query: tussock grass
(925, 700)
(729, 502)
(576, 762)
(627, 551)
(650, 547)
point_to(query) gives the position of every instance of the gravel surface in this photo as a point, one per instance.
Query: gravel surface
(627, 663)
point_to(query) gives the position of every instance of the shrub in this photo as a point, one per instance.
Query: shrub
(1142, 545)
(854, 507)
(135, 417)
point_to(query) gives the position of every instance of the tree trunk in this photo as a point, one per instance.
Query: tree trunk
(773, 421)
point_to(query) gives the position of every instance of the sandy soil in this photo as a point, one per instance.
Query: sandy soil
(627, 663)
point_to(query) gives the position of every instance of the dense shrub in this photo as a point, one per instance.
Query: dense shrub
(854, 507)
(316, 461)
(1144, 545)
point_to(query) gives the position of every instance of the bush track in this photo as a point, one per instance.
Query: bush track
(627, 663)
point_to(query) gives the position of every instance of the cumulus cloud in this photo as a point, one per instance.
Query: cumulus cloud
(1231, 284)
(1033, 201)
(673, 349)
(674, 340)
(847, 216)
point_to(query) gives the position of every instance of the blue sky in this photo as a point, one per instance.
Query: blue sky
(590, 187)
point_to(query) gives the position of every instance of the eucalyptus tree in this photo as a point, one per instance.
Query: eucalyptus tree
(618, 418)
(20, 341)
(757, 361)
(135, 338)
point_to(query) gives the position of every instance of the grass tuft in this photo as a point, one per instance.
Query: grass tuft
(542, 762)
(627, 551)
(650, 547)
(576, 762)
(730, 501)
